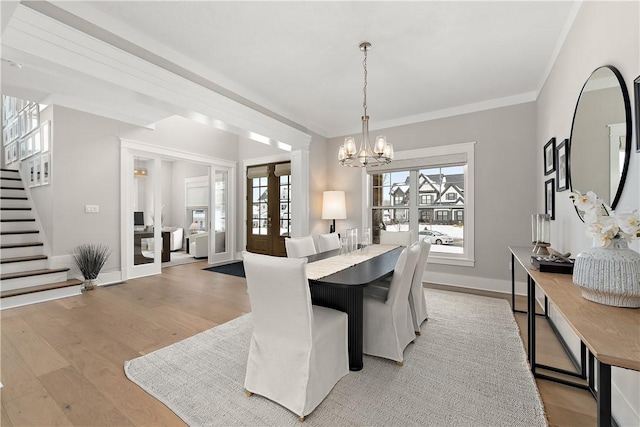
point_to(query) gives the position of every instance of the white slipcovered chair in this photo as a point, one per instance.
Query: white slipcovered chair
(417, 300)
(299, 247)
(328, 242)
(298, 351)
(400, 238)
(199, 245)
(388, 327)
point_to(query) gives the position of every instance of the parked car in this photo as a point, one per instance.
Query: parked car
(436, 237)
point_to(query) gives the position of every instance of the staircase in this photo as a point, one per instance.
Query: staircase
(25, 276)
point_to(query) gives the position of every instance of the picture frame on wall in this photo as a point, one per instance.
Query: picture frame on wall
(550, 156)
(31, 172)
(7, 153)
(562, 160)
(45, 136)
(37, 163)
(45, 176)
(14, 151)
(23, 149)
(636, 89)
(550, 198)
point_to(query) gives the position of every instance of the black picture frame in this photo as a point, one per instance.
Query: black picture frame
(550, 198)
(550, 156)
(562, 169)
(636, 89)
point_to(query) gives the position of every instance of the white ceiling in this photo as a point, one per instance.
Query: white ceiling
(300, 62)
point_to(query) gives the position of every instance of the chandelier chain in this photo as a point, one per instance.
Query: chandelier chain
(364, 89)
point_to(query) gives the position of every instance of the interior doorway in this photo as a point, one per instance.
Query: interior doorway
(268, 208)
(157, 229)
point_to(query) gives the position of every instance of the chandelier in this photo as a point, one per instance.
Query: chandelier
(382, 152)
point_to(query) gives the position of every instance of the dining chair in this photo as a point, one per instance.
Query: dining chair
(417, 300)
(328, 242)
(388, 327)
(299, 247)
(298, 351)
(400, 238)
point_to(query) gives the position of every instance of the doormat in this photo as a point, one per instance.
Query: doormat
(233, 269)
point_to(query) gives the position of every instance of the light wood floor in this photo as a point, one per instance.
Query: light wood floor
(62, 361)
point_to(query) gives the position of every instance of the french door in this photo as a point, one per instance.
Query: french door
(268, 208)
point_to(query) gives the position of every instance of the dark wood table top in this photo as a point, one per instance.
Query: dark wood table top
(361, 274)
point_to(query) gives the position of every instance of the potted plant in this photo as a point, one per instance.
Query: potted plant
(90, 258)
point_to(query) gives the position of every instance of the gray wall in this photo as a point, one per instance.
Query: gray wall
(505, 179)
(86, 170)
(604, 33)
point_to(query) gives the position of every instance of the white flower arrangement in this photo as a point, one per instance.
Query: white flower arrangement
(603, 224)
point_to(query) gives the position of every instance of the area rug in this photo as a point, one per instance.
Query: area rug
(468, 368)
(234, 269)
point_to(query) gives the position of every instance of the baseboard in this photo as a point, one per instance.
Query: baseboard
(66, 261)
(473, 282)
(36, 297)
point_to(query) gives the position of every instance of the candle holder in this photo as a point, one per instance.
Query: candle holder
(540, 233)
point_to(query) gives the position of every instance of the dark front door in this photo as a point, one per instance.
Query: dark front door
(268, 208)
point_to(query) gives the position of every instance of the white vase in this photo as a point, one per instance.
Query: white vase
(88, 285)
(609, 276)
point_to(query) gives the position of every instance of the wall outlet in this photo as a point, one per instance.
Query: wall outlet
(91, 208)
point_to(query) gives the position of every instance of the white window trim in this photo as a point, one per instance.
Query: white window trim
(468, 258)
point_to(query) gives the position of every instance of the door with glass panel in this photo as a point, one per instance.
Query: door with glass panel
(268, 208)
(221, 248)
(146, 214)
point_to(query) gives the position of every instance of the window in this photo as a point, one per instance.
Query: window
(429, 192)
(285, 205)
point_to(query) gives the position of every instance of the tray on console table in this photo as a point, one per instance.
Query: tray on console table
(548, 266)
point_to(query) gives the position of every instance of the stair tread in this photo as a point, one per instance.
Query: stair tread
(17, 219)
(20, 245)
(4, 233)
(13, 198)
(10, 178)
(4, 187)
(14, 209)
(40, 288)
(30, 273)
(23, 259)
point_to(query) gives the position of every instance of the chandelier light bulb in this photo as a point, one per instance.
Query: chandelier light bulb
(381, 143)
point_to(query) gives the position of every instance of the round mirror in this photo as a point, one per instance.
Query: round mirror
(601, 136)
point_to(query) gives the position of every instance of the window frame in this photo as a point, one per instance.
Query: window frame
(467, 258)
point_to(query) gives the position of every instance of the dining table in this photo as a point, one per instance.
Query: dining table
(337, 280)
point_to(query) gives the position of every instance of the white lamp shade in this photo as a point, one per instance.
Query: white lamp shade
(334, 205)
(194, 226)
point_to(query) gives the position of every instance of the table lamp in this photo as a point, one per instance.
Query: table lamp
(333, 207)
(194, 227)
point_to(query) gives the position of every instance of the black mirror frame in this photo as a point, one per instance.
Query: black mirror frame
(627, 149)
(636, 85)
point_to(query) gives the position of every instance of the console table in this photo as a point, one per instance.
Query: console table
(608, 334)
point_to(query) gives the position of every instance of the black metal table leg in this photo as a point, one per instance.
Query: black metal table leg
(513, 283)
(531, 318)
(604, 394)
